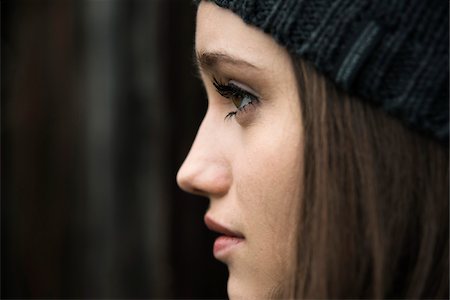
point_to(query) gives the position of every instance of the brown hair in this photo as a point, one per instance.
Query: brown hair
(374, 213)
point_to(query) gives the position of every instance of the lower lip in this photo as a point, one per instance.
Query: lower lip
(224, 243)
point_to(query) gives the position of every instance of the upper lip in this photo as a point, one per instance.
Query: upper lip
(214, 226)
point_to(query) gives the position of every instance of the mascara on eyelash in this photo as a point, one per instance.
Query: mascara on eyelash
(227, 90)
(231, 90)
(236, 94)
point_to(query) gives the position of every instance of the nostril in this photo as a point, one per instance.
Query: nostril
(191, 184)
(199, 192)
(205, 178)
(187, 180)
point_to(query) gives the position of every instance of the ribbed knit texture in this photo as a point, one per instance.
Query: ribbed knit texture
(394, 53)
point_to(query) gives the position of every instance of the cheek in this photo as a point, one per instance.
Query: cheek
(269, 165)
(267, 186)
(268, 180)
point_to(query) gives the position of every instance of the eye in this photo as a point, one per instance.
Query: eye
(238, 95)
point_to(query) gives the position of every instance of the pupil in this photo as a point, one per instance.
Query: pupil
(237, 102)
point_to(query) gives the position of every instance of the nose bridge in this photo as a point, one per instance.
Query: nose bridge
(206, 170)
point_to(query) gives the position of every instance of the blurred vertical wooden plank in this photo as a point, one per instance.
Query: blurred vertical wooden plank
(145, 158)
(41, 124)
(101, 95)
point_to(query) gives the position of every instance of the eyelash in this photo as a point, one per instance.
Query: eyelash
(234, 93)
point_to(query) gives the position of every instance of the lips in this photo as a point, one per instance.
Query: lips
(228, 239)
(214, 226)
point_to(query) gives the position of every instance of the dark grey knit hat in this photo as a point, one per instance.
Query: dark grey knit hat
(394, 53)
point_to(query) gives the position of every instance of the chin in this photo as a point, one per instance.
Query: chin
(238, 289)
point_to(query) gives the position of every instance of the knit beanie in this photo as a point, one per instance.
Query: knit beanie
(393, 53)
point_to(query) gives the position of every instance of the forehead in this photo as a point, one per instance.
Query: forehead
(220, 30)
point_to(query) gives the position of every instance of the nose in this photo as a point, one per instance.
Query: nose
(206, 170)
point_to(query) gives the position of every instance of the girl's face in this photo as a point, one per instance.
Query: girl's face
(247, 156)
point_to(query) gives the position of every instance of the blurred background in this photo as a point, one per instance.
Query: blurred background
(99, 106)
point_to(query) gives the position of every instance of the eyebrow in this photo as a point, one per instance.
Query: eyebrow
(209, 60)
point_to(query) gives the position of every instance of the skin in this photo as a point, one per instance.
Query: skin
(248, 165)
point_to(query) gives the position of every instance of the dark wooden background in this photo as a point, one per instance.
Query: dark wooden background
(99, 107)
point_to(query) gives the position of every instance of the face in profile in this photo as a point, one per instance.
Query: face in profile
(247, 155)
